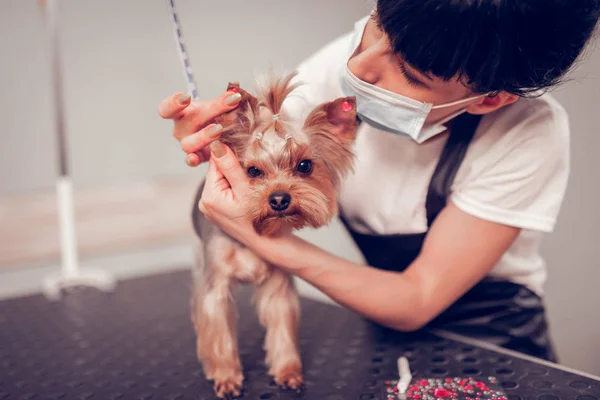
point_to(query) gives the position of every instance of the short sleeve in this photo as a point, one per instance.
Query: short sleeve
(521, 176)
(319, 77)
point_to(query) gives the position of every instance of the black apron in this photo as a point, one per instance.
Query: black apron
(502, 313)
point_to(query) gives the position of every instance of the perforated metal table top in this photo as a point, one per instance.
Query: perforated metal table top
(138, 343)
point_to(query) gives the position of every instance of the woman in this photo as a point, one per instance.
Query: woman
(448, 203)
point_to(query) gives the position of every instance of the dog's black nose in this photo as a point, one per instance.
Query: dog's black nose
(279, 201)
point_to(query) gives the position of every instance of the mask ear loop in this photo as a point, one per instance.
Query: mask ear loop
(461, 101)
(183, 56)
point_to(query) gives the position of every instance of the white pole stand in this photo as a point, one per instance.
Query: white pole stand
(71, 275)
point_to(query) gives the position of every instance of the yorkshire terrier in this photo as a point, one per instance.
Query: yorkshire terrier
(295, 168)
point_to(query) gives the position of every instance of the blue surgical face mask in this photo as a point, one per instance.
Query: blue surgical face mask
(391, 111)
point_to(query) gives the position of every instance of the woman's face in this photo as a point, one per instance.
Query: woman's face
(376, 63)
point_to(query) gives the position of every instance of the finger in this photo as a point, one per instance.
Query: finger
(193, 159)
(197, 158)
(199, 140)
(211, 175)
(228, 164)
(200, 113)
(209, 110)
(202, 207)
(206, 195)
(173, 106)
(215, 180)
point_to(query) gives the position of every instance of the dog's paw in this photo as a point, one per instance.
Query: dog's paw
(290, 378)
(228, 387)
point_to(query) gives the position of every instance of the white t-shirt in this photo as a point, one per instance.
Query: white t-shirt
(515, 171)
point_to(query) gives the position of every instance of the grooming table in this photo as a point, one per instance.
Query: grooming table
(138, 344)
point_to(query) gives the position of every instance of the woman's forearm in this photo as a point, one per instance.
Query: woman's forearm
(388, 298)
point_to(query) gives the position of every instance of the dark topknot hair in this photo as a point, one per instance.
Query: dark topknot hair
(517, 46)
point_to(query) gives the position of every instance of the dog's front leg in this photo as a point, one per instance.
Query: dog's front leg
(215, 323)
(279, 312)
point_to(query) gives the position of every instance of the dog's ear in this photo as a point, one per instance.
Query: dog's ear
(248, 106)
(331, 128)
(337, 118)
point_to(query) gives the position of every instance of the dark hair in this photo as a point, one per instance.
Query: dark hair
(517, 46)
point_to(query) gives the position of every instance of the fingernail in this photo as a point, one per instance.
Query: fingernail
(233, 99)
(218, 149)
(214, 130)
(188, 159)
(184, 98)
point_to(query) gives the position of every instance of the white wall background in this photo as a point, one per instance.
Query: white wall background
(120, 61)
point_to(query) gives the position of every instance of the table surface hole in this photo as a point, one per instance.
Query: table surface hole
(505, 371)
(580, 385)
(548, 397)
(471, 371)
(509, 384)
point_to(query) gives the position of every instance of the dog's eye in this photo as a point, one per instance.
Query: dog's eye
(254, 172)
(305, 167)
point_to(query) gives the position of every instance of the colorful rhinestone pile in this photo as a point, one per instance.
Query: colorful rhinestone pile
(448, 388)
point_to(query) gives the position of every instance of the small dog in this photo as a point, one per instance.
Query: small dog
(295, 169)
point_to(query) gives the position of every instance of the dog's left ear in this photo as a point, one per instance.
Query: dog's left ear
(248, 103)
(337, 117)
(332, 130)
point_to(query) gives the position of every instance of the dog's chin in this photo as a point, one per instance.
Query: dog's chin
(284, 222)
(279, 223)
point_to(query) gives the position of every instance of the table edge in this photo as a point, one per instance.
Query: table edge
(512, 353)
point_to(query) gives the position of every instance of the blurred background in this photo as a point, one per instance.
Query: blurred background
(133, 191)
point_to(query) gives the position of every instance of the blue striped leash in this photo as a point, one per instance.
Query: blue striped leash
(183, 55)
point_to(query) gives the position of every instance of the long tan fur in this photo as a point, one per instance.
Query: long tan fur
(264, 139)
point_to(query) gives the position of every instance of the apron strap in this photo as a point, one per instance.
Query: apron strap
(462, 132)
(397, 252)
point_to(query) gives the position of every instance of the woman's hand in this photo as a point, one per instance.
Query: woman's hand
(223, 199)
(192, 122)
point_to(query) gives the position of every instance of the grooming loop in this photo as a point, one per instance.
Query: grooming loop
(183, 55)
